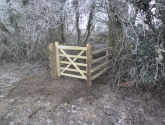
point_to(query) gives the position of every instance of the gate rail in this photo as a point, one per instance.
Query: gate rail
(58, 67)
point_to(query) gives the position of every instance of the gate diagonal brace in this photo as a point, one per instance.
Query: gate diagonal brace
(73, 63)
(73, 60)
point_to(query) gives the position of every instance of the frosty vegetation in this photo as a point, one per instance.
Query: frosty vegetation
(134, 28)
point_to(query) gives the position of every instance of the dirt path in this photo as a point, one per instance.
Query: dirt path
(37, 100)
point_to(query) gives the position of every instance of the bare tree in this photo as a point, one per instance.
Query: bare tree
(77, 19)
(90, 25)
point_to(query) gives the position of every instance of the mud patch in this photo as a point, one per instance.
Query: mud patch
(36, 99)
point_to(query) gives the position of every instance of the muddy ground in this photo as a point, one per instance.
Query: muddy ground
(29, 97)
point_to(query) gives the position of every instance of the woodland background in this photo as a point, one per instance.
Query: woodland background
(134, 28)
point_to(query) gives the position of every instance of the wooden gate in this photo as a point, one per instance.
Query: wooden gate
(79, 64)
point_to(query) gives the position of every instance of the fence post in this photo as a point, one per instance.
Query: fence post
(57, 59)
(89, 65)
(52, 57)
(107, 55)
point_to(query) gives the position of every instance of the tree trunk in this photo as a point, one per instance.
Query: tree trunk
(89, 25)
(76, 6)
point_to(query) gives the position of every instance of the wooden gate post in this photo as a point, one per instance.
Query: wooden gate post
(57, 59)
(89, 64)
(52, 57)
